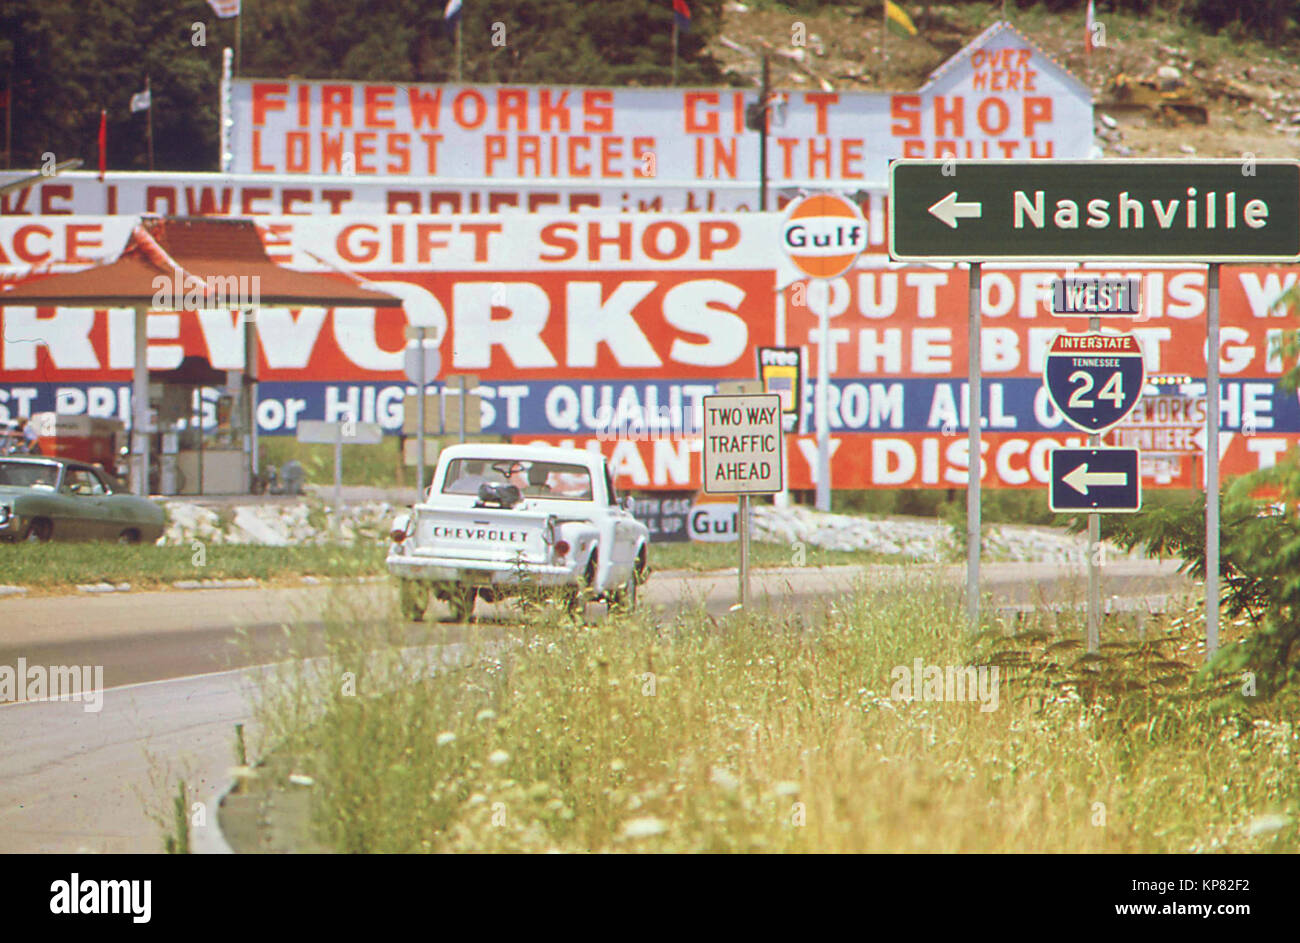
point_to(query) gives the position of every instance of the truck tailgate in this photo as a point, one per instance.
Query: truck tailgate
(487, 535)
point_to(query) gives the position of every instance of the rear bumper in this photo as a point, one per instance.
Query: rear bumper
(479, 572)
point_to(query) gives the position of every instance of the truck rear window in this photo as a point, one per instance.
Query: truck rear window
(551, 480)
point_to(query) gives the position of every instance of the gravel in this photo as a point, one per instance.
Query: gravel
(275, 525)
(923, 539)
(915, 538)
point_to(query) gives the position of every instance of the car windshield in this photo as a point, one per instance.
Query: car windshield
(534, 479)
(29, 474)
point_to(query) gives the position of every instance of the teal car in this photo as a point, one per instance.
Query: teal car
(61, 499)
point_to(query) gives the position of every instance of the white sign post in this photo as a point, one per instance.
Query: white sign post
(422, 363)
(336, 433)
(462, 386)
(742, 455)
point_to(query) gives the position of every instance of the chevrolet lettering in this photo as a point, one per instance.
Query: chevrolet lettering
(464, 533)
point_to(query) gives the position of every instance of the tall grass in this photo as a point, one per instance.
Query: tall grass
(59, 566)
(766, 732)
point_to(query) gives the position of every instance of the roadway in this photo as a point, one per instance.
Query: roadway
(180, 666)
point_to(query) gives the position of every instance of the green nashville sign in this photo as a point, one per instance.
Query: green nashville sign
(1094, 210)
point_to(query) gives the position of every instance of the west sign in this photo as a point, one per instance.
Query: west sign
(1097, 210)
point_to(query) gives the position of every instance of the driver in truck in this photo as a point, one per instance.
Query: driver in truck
(537, 478)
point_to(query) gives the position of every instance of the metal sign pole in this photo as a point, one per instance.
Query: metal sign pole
(1212, 466)
(743, 522)
(338, 477)
(464, 394)
(419, 461)
(973, 440)
(1094, 539)
(823, 400)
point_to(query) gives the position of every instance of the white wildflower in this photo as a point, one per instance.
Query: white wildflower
(1264, 824)
(725, 779)
(644, 827)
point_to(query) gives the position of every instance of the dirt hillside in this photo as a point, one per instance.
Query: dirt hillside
(1162, 87)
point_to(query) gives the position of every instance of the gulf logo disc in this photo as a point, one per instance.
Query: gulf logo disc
(823, 235)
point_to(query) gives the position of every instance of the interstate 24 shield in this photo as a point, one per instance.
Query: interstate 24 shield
(1094, 379)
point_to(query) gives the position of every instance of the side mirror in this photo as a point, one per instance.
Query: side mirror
(628, 503)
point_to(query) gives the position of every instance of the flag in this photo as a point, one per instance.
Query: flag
(1089, 24)
(141, 101)
(898, 20)
(682, 15)
(452, 11)
(103, 143)
(225, 8)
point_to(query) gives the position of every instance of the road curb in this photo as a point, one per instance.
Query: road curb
(247, 583)
(102, 589)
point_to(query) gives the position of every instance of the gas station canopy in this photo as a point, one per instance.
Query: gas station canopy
(210, 263)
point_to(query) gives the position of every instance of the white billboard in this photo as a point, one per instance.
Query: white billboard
(1001, 97)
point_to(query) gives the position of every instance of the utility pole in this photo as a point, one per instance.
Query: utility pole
(9, 118)
(148, 128)
(758, 116)
(765, 103)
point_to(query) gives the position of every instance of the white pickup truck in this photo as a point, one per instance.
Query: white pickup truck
(500, 519)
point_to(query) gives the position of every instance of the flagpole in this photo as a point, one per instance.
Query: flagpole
(9, 124)
(148, 91)
(103, 143)
(884, 39)
(674, 82)
(239, 35)
(459, 20)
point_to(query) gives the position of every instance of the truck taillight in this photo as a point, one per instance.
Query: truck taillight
(561, 548)
(396, 535)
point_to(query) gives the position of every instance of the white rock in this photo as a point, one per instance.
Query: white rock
(96, 588)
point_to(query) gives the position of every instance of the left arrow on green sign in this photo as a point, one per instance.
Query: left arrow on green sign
(948, 210)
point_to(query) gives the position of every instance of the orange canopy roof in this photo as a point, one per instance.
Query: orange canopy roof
(201, 254)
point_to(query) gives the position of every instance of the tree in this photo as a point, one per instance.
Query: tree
(1259, 538)
(67, 59)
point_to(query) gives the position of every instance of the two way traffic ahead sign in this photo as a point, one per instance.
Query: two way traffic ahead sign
(1049, 210)
(743, 439)
(1095, 480)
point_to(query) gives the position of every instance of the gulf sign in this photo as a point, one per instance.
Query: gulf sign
(823, 235)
